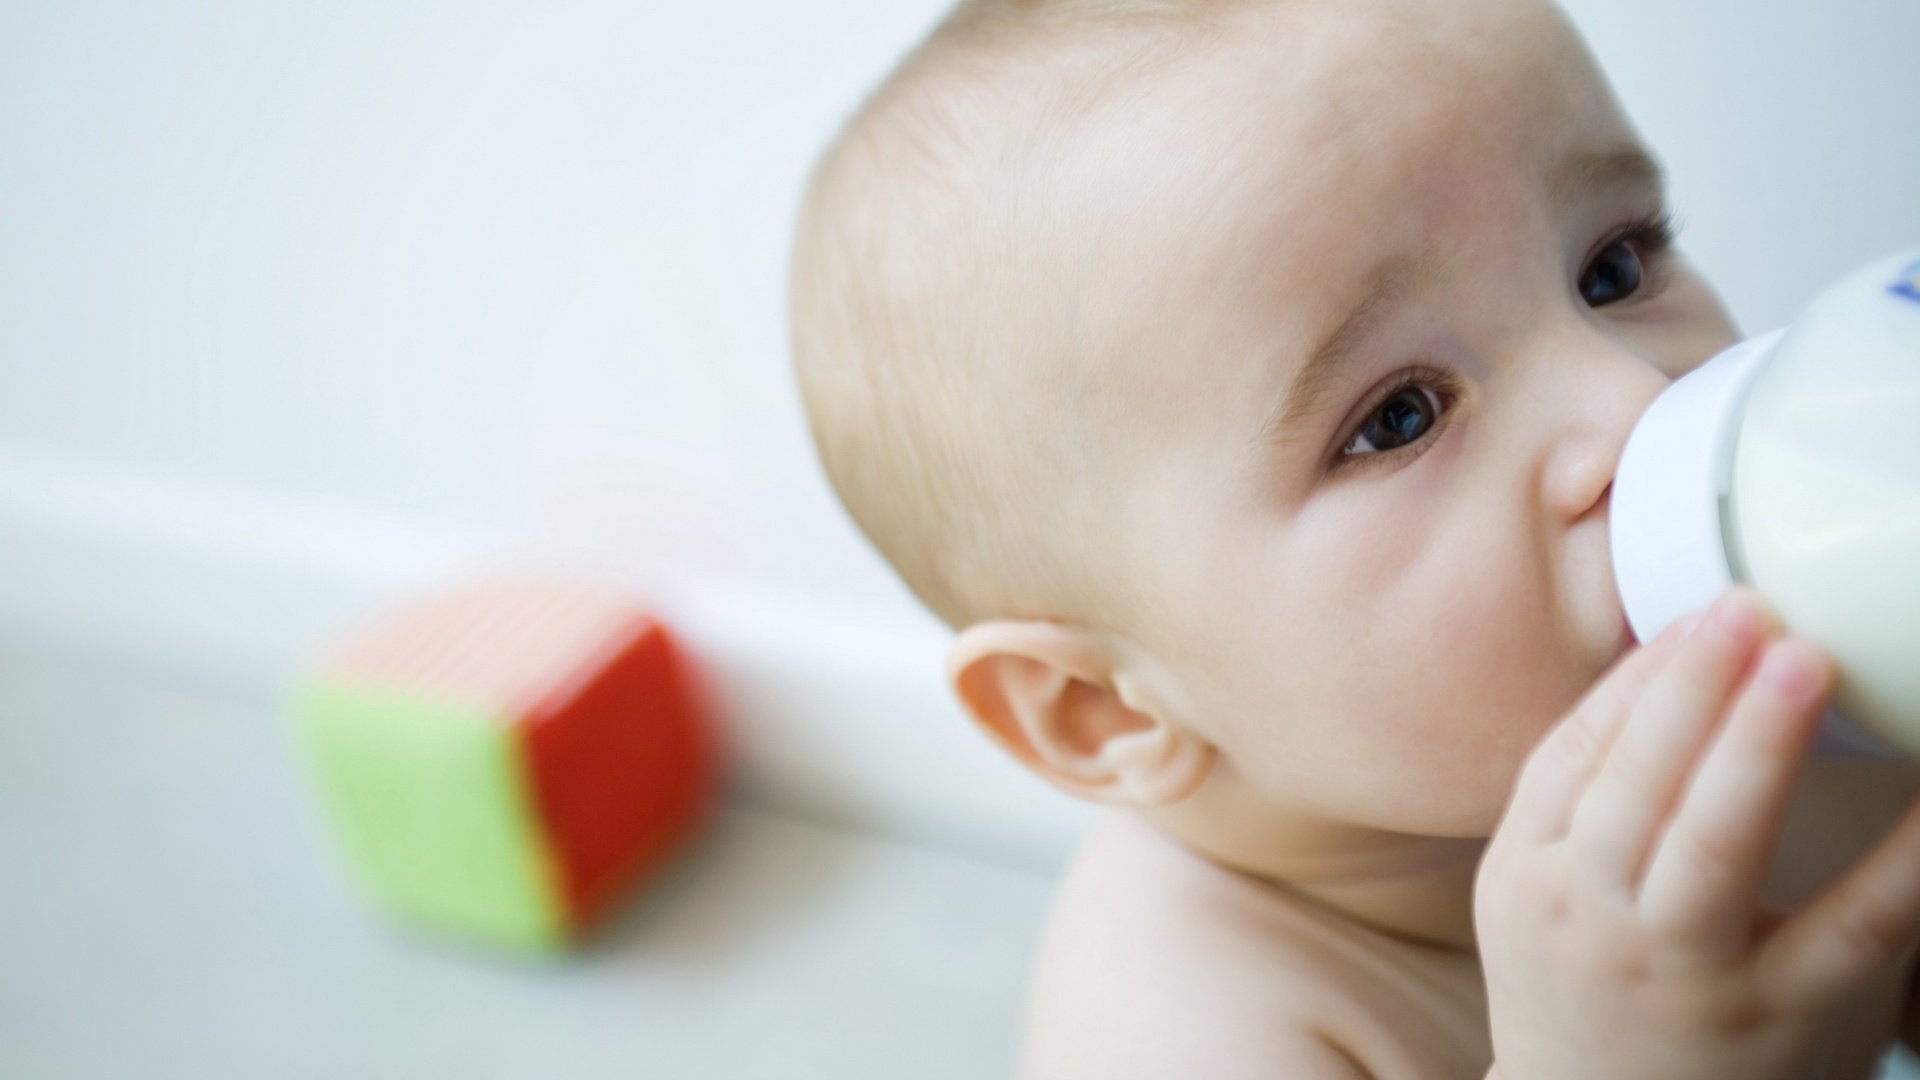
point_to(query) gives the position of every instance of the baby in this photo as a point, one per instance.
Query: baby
(1244, 383)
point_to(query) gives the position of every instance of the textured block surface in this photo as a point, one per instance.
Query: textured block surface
(502, 760)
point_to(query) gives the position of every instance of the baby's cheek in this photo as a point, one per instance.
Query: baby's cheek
(1472, 774)
(1486, 707)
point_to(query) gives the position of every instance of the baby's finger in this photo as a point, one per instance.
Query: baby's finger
(1563, 762)
(1708, 866)
(1853, 928)
(1618, 818)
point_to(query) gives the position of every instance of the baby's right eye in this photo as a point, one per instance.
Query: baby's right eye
(1408, 413)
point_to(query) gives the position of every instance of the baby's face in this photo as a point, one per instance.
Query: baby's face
(1408, 293)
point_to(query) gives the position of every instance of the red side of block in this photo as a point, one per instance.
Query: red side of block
(621, 762)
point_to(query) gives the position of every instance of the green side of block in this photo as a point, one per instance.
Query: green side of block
(427, 800)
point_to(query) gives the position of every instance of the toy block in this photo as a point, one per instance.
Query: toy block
(503, 761)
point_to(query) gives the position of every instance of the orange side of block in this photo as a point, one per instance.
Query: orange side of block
(505, 645)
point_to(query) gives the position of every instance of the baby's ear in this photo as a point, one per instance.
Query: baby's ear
(1063, 701)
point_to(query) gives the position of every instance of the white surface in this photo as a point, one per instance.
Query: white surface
(514, 268)
(167, 911)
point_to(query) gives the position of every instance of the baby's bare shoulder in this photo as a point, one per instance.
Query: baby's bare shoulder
(1156, 962)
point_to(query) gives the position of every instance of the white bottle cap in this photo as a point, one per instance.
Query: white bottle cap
(1668, 509)
(1664, 519)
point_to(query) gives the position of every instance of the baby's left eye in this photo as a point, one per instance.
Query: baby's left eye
(1614, 275)
(1400, 420)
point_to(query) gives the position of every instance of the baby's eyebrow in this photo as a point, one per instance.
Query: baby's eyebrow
(1387, 286)
(1589, 172)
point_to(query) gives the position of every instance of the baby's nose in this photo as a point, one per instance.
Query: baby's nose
(1612, 393)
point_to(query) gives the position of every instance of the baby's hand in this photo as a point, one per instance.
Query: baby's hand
(1617, 907)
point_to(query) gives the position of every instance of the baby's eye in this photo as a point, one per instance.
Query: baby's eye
(1403, 418)
(1614, 275)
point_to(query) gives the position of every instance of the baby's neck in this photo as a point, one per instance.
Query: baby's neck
(1427, 899)
(1415, 888)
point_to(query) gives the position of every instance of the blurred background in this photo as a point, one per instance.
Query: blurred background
(307, 307)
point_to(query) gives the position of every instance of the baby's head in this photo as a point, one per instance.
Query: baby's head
(1244, 383)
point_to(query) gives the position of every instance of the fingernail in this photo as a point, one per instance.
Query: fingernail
(1686, 624)
(1737, 617)
(1793, 677)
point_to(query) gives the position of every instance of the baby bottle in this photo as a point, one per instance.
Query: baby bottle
(1792, 463)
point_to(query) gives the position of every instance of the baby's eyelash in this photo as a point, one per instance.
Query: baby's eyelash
(1653, 234)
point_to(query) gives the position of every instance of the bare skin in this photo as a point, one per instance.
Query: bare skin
(1227, 975)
